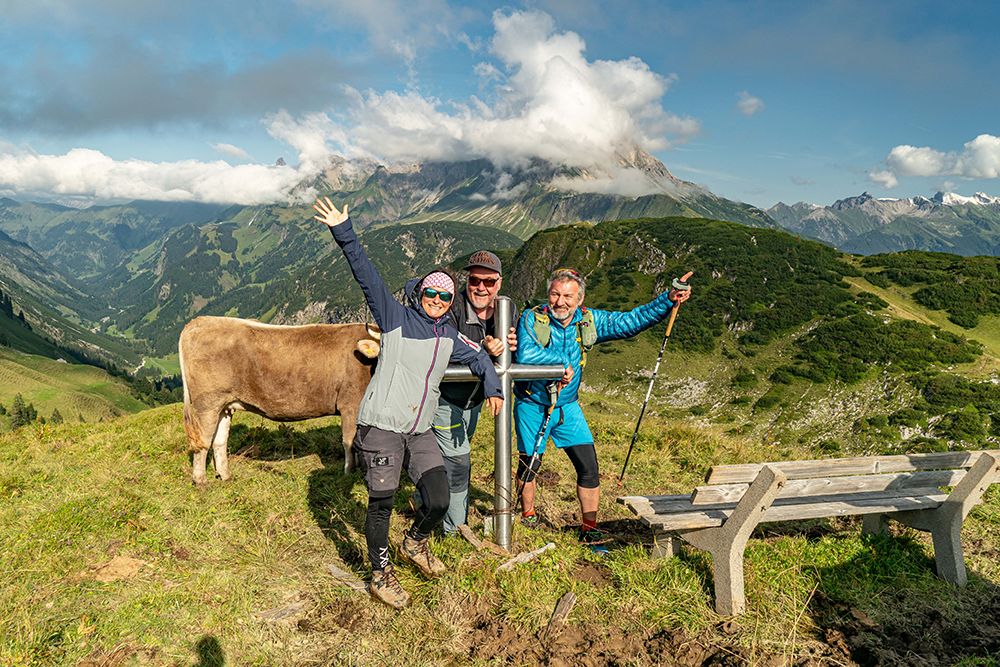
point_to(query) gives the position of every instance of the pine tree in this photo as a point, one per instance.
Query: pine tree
(19, 413)
(56, 417)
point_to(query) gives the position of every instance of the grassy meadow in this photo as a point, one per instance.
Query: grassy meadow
(76, 390)
(110, 556)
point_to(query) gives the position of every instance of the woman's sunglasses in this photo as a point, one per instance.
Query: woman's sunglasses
(475, 281)
(430, 293)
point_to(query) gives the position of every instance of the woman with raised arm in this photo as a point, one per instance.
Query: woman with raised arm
(394, 420)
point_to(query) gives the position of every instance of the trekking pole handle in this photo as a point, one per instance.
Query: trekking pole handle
(682, 286)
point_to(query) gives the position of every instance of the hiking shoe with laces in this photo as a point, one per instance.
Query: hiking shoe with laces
(418, 553)
(595, 539)
(385, 588)
(530, 521)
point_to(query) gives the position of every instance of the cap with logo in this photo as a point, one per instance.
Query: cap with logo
(486, 260)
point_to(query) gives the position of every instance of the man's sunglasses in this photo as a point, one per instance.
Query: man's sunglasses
(475, 281)
(430, 293)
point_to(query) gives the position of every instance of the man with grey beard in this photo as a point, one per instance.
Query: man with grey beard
(461, 402)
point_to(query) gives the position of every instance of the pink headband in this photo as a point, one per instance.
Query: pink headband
(439, 281)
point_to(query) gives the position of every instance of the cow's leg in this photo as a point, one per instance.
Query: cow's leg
(348, 427)
(220, 446)
(200, 461)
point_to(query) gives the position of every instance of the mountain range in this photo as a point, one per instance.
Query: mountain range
(866, 225)
(123, 280)
(143, 269)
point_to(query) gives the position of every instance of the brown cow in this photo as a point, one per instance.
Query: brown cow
(283, 373)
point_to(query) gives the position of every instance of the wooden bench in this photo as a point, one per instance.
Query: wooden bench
(720, 516)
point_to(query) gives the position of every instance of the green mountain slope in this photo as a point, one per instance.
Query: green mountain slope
(83, 243)
(74, 390)
(278, 265)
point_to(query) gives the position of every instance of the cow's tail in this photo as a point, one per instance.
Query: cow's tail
(195, 442)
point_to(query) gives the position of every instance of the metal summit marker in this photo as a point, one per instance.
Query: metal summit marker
(503, 496)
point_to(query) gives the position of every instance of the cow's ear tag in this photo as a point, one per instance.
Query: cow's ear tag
(369, 348)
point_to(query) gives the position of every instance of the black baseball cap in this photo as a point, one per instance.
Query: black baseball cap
(486, 260)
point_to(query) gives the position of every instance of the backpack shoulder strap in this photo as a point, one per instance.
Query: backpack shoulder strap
(588, 332)
(542, 328)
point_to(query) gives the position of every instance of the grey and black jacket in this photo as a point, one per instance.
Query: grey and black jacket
(463, 317)
(415, 350)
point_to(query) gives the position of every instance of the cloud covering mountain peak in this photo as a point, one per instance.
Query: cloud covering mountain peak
(543, 99)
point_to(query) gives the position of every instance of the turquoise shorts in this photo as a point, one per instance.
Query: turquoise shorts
(566, 428)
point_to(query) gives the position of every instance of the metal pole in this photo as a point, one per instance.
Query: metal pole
(503, 308)
(507, 372)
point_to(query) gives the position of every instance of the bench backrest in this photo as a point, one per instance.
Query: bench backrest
(892, 474)
(862, 465)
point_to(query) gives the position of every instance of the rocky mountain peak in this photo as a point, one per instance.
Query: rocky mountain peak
(632, 155)
(852, 202)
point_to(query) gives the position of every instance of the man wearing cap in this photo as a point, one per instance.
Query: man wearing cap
(461, 402)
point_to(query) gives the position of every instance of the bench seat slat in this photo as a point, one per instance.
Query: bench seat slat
(716, 517)
(864, 465)
(731, 493)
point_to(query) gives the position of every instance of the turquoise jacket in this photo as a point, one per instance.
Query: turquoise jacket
(564, 348)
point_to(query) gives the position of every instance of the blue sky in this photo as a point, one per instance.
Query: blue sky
(110, 100)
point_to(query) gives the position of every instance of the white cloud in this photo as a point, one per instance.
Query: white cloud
(88, 174)
(628, 182)
(979, 159)
(883, 179)
(748, 105)
(801, 181)
(552, 104)
(402, 27)
(232, 151)
(542, 99)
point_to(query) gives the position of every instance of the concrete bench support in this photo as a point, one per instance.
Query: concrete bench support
(665, 544)
(945, 523)
(727, 542)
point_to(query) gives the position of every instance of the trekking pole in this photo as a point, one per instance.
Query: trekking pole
(554, 389)
(678, 284)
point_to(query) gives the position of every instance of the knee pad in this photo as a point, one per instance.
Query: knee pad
(434, 490)
(527, 469)
(584, 460)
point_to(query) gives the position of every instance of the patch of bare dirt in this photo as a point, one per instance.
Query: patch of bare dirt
(119, 567)
(923, 637)
(120, 655)
(548, 478)
(593, 573)
(593, 645)
(346, 614)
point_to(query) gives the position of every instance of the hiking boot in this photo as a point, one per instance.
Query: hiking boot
(595, 539)
(530, 521)
(418, 553)
(385, 588)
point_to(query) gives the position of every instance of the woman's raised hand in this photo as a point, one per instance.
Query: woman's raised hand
(328, 213)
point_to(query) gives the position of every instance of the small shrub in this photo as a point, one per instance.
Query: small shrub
(745, 378)
(781, 376)
(766, 401)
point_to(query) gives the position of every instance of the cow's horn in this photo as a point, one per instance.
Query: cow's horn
(374, 331)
